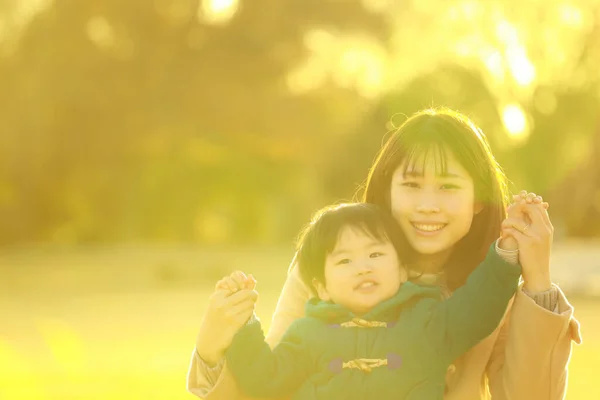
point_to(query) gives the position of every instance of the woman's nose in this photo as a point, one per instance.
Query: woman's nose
(428, 208)
(428, 203)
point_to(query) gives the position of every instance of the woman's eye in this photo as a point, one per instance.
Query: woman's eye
(410, 184)
(450, 186)
(376, 254)
(344, 261)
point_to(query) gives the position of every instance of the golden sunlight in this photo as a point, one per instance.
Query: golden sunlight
(217, 11)
(571, 15)
(100, 32)
(516, 54)
(521, 68)
(351, 61)
(515, 121)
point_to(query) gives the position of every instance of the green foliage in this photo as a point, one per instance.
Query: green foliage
(143, 122)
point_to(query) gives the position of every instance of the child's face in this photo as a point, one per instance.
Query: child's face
(360, 272)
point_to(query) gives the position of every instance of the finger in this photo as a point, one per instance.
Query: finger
(518, 236)
(523, 193)
(240, 308)
(250, 282)
(534, 213)
(517, 198)
(517, 224)
(530, 197)
(217, 298)
(240, 296)
(239, 278)
(242, 317)
(231, 285)
(546, 204)
(538, 214)
(516, 210)
(222, 284)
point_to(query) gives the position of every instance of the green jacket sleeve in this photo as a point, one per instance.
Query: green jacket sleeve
(262, 372)
(475, 309)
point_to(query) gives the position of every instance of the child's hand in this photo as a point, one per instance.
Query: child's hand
(529, 198)
(534, 234)
(515, 215)
(229, 308)
(236, 281)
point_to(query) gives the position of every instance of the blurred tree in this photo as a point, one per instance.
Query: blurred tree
(167, 121)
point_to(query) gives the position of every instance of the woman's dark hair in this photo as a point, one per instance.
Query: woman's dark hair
(319, 237)
(429, 133)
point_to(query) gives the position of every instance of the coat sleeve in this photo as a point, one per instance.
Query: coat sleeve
(262, 371)
(474, 310)
(530, 357)
(217, 383)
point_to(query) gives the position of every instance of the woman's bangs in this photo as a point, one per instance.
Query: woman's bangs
(418, 156)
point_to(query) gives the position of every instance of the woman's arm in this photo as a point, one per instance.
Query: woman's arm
(290, 305)
(218, 384)
(530, 357)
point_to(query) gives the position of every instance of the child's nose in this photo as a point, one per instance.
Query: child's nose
(365, 267)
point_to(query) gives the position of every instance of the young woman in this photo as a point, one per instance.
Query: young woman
(438, 177)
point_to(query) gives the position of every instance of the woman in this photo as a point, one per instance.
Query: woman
(438, 177)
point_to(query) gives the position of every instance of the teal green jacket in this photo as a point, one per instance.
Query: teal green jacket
(401, 349)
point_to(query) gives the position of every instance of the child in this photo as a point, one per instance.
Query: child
(369, 332)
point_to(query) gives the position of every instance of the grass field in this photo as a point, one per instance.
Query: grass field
(121, 324)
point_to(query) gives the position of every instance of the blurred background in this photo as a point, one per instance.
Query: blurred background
(149, 147)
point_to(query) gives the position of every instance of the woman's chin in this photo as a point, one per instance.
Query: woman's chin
(430, 249)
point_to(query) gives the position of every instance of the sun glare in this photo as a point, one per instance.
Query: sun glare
(217, 11)
(515, 121)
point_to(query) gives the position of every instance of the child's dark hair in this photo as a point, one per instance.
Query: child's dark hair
(320, 236)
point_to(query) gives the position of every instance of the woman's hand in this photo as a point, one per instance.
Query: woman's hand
(533, 233)
(512, 212)
(229, 308)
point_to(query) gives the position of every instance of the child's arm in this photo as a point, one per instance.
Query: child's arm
(215, 382)
(262, 372)
(476, 308)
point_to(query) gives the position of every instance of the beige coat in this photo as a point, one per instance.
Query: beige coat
(525, 358)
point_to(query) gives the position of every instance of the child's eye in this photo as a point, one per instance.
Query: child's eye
(375, 254)
(344, 261)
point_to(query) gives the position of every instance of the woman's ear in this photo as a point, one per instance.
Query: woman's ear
(321, 290)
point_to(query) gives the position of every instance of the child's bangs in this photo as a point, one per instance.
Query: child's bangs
(371, 228)
(362, 220)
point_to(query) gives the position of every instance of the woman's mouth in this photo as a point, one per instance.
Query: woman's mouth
(428, 229)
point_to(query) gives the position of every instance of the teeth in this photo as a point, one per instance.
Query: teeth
(429, 228)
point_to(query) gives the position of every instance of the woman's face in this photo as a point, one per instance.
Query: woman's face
(435, 211)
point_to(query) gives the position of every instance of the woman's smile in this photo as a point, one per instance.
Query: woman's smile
(428, 229)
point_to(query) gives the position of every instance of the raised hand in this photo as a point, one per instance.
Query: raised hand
(236, 281)
(229, 308)
(529, 224)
